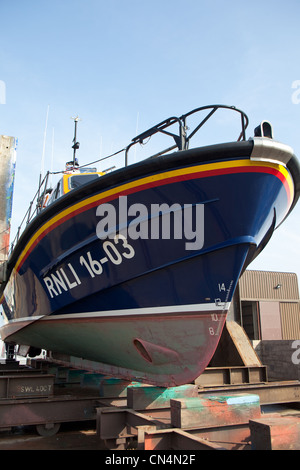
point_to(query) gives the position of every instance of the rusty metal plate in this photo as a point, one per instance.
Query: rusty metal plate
(23, 386)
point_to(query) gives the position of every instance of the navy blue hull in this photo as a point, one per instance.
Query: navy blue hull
(65, 271)
(160, 272)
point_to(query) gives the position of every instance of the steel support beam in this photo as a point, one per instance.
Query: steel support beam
(269, 393)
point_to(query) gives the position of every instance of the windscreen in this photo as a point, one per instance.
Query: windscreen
(78, 180)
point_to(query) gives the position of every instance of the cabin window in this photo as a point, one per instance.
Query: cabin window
(56, 193)
(78, 180)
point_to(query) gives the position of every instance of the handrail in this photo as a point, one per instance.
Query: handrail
(29, 215)
(182, 141)
(215, 107)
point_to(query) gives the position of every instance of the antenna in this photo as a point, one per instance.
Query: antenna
(136, 132)
(76, 144)
(44, 144)
(43, 157)
(52, 156)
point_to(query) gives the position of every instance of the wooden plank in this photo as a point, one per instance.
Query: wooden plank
(242, 344)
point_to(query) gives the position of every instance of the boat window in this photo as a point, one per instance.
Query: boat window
(78, 180)
(59, 191)
(56, 193)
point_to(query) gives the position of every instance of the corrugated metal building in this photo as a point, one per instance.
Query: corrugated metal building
(269, 305)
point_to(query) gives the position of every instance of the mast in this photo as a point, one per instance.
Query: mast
(76, 144)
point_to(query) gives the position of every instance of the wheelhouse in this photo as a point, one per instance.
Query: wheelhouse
(72, 180)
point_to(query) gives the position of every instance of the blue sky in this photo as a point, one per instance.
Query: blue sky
(123, 66)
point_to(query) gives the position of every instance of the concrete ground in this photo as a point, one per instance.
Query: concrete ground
(71, 436)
